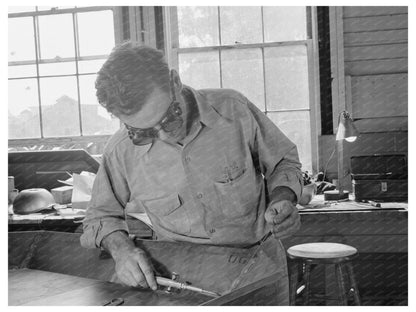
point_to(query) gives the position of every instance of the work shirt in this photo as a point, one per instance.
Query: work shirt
(212, 189)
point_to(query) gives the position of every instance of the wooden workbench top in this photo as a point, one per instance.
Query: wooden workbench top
(42, 288)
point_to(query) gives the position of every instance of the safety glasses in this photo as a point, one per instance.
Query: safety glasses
(170, 122)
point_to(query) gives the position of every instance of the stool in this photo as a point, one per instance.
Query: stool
(339, 255)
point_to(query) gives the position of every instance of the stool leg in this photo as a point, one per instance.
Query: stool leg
(307, 277)
(341, 285)
(293, 273)
(353, 283)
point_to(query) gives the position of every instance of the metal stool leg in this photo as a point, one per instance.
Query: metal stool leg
(307, 278)
(343, 299)
(353, 283)
(294, 269)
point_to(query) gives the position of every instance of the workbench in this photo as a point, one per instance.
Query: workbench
(42, 288)
(71, 224)
(51, 268)
(379, 233)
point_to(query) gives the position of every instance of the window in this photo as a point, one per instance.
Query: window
(54, 55)
(264, 52)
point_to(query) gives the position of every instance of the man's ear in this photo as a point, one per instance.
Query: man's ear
(176, 80)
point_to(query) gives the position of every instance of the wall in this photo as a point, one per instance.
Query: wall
(376, 83)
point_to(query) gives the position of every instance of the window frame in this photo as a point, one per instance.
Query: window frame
(172, 51)
(118, 37)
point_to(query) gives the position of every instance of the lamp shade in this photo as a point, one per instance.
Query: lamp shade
(346, 128)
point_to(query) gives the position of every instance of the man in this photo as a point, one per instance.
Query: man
(206, 166)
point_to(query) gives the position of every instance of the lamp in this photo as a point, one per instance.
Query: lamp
(346, 131)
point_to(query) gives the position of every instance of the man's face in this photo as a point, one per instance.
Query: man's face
(152, 111)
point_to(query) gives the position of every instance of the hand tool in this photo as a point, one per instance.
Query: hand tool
(250, 262)
(178, 285)
(373, 203)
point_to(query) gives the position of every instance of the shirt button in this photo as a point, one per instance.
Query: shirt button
(187, 159)
(199, 195)
(212, 230)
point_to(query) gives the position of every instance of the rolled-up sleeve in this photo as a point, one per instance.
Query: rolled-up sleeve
(105, 212)
(275, 153)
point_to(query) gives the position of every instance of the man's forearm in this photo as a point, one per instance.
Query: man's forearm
(117, 242)
(283, 193)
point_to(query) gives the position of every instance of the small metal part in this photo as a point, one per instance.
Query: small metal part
(114, 302)
(175, 276)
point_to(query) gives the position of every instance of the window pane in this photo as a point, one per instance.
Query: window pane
(60, 113)
(198, 26)
(241, 25)
(200, 70)
(90, 66)
(287, 84)
(56, 35)
(52, 69)
(95, 119)
(284, 23)
(23, 109)
(242, 70)
(297, 127)
(21, 39)
(22, 71)
(20, 8)
(91, 27)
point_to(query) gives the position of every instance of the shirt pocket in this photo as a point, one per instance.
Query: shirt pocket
(168, 212)
(238, 197)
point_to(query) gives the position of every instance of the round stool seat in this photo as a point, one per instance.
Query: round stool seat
(321, 251)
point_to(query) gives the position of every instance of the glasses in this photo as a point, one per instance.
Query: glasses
(170, 122)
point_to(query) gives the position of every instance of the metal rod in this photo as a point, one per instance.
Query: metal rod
(340, 151)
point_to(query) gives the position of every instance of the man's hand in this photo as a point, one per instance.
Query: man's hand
(132, 265)
(134, 269)
(284, 217)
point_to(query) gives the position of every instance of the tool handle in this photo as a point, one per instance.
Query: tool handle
(163, 281)
(170, 283)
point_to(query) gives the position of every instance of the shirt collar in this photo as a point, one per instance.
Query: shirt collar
(207, 113)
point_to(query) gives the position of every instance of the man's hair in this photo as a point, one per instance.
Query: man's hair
(129, 76)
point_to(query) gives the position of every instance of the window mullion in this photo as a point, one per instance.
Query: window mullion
(263, 62)
(37, 54)
(219, 45)
(76, 45)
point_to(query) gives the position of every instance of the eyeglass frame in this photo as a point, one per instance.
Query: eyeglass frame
(144, 136)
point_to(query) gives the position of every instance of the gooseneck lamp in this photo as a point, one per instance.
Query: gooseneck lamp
(346, 131)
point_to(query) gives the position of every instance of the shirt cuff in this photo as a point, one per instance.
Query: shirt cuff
(289, 179)
(95, 232)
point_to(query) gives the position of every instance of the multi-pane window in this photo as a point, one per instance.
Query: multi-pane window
(54, 55)
(263, 52)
